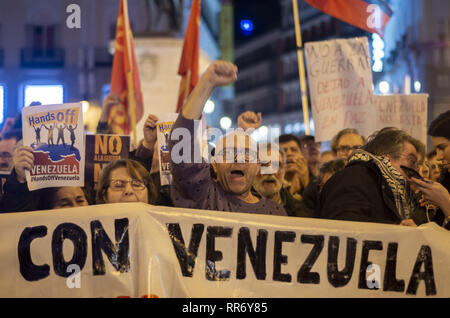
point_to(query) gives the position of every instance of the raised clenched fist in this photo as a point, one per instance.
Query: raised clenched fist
(249, 120)
(221, 73)
(150, 131)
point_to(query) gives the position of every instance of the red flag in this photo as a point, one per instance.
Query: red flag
(125, 80)
(188, 68)
(369, 15)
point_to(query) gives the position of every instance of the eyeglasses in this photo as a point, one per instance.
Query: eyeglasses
(348, 148)
(237, 155)
(119, 185)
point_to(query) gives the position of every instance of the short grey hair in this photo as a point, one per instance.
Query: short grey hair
(391, 141)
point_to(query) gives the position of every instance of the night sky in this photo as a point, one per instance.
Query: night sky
(265, 15)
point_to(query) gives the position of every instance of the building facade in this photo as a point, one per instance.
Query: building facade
(413, 57)
(39, 45)
(417, 52)
(268, 79)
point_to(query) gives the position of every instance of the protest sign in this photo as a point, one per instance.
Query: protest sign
(341, 86)
(101, 150)
(405, 112)
(59, 163)
(164, 127)
(140, 250)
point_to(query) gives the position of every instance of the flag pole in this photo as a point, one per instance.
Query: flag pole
(129, 75)
(301, 66)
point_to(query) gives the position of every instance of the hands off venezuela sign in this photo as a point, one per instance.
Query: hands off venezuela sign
(56, 134)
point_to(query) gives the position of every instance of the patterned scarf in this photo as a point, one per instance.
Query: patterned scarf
(404, 199)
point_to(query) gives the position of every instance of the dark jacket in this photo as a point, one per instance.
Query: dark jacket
(293, 206)
(16, 196)
(311, 196)
(358, 193)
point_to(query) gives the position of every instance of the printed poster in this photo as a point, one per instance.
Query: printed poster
(56, 134)
(341, 86)
(164, 127)
(101, 150)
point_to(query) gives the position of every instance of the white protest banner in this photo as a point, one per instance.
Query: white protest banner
(341, 86)
(140, 250)
(405, 112)
(163, 128)
(56, 163)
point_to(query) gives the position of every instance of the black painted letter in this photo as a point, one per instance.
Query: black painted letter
(186, 256)
(118, 254)
(30, 271)
(366, 248)
(390, 281)
(279, 258)
(257, 258)
(305, 276)
(335, 277)
(427, 275)
(76, 234)
(212, 256)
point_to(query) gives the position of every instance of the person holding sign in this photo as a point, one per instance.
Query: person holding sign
(373, 187)
(18, 198)
(144, 152)
(235, 159)
(438, 192)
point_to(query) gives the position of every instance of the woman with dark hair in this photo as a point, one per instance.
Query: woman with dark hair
(125, 180)
(438, 192)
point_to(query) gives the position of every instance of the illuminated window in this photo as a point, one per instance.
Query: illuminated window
(45, 94)
(2, 110)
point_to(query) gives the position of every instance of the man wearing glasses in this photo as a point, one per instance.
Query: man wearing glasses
(235, 161)
(345, 142)
(373, 187)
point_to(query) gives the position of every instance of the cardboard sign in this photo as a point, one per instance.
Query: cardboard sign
(405, 112)
(56, 134)
(341, 86)
(140, 250)
(101, 150)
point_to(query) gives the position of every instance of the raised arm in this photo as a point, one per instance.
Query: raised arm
(191, 181)
(219, 73)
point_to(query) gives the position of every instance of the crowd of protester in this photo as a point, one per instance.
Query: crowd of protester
(358, 179)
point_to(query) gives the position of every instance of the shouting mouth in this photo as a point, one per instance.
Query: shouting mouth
(237, 175)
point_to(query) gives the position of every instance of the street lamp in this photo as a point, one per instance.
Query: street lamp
(225, 122)
(209, 106)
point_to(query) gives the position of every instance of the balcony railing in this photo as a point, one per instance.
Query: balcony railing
(40, 58)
